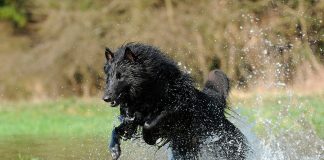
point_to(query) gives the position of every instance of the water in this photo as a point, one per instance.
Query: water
(303, 145)
(35, 148)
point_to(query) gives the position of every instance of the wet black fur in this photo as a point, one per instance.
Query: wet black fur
(217, 83)
(151, 83)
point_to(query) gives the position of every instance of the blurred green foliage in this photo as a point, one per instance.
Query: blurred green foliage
(256, 42)
(13, 11)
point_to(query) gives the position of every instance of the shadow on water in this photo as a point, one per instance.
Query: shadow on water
(303, 145)
(28, 147)
(34, 148)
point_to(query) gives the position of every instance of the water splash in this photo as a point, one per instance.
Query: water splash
(274, 142)
(304, 145)
(277, 143)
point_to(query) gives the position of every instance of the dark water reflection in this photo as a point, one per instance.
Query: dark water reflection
(28, 147)
(56, 148)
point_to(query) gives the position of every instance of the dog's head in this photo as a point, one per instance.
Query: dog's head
(124, 76)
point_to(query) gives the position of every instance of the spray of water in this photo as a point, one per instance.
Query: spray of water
(272, 142)
(275, 142)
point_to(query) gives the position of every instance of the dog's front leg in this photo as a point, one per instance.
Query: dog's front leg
(126, 129)
(114, 145)
(117, 132)
(152, 123)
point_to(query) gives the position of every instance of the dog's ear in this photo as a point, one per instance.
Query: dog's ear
(129, 55)
(109, 55)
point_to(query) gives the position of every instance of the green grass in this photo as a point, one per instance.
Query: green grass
(76, 117)
(63, 118)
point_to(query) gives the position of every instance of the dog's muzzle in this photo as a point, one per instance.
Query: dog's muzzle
(114, 102)
(106, 99)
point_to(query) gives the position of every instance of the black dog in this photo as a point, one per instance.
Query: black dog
(155, 94)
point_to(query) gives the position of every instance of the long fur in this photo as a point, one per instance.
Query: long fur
(153, 84)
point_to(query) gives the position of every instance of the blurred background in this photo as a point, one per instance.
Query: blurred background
(52, 57)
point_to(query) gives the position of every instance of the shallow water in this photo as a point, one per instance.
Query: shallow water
(29, 147)
(303, 145)
(33, 148)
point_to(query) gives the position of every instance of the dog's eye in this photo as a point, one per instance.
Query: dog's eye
(118, 75)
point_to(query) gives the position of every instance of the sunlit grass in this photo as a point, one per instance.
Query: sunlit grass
(78, 117)
(65, 118)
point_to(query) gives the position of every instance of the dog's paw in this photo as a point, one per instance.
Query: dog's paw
(115, 152)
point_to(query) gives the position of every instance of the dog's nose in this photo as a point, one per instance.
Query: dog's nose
(106, 99)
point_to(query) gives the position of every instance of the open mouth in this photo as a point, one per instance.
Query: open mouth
(116, 102)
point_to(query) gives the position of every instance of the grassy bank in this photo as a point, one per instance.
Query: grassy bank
(62, 118)
(77, 117)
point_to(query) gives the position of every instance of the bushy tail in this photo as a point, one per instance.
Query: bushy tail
(217, 84)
